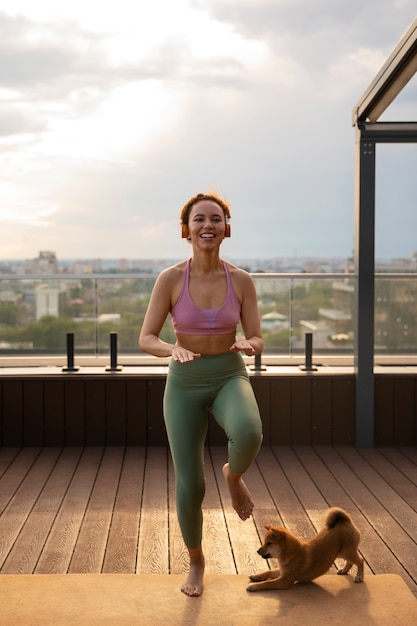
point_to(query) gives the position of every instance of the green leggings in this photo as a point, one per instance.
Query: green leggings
(219, 383)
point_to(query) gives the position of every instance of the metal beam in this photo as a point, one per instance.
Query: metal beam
(389, 132)
(365, 288)
(391, 79)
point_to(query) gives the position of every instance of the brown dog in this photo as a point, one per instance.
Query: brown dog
(302, 561)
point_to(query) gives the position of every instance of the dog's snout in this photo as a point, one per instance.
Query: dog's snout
(264, 556)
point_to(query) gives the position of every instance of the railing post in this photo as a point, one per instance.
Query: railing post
(113, 354)
(308, 364)
(70, 354)
(258, 367)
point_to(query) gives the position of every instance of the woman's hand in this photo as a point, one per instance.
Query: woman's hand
(243, 346)
(182, 355)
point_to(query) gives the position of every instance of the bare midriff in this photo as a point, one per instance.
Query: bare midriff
(207, 344)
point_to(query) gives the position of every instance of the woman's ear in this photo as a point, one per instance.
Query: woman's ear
(227, 230)
(184, 231)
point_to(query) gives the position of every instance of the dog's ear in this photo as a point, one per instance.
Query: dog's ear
(278, 534)
(268, 527)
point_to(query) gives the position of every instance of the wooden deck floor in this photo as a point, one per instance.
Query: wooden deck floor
(112, 510)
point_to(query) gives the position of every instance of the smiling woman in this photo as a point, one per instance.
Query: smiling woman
(206, 298)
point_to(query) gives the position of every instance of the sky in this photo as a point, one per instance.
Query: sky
(112, 115)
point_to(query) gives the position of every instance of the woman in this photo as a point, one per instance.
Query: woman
(206, 298)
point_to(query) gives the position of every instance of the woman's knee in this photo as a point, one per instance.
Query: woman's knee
(249, 439)
(190, 490)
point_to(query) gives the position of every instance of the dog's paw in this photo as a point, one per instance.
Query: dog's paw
(255, 578)
(358, 579)
(342, 572)
(251, 587)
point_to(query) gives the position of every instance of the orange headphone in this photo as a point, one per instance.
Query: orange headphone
(185, 212)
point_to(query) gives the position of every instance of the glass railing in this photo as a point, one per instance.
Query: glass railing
(37, 312)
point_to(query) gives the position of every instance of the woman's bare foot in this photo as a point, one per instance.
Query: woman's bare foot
(241, 498)
(193, 585)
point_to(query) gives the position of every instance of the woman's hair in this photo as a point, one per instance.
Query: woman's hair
(186, 209)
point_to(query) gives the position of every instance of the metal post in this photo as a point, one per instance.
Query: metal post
(308, 365)
(365, 288)
(113, 354)
(70, 354)
(258, 367)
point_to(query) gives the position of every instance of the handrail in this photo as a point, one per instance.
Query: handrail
(293, 316)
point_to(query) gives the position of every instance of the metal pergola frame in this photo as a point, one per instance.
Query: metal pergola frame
(394, 75)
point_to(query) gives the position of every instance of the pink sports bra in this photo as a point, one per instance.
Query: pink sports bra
(188, 319)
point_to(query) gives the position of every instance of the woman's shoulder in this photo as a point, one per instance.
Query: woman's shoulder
(241, 279)
(172, 274)
(237, 273)
(174, 270)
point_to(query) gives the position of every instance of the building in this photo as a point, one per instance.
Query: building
(45, 263)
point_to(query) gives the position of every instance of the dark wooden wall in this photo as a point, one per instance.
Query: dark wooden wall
(119, 409)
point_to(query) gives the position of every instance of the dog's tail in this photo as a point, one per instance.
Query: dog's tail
(335, 516)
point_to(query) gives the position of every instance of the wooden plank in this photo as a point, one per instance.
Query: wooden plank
(74, 413)
(17, 511)
(280, 417)
(136, 412)
(384, 409)
(321, 411)
(216, 544)
(33, 412)
(7, 456)
(310, 515)
(399, 530)
(153, 531)
(410, 453)
(116, 412)
(382, 524)
(1, 414)
(404, 431)
(343, 410)
(155, 420)
(121, 551)
(399, 460)
(42, 510)
(334, 495)
(243, 535)
(289, 510)
(13, 410)
(216, 541)
(395, 474)
(301, 411)
(25, 552)
(15, 470)
(62, 539)
(54, 417)
(312, 499)
(95, 413)
(91, 543)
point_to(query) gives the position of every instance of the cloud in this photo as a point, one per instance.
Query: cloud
(107, 127)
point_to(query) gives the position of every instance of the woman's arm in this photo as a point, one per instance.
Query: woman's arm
(155, 316)
(249, 317)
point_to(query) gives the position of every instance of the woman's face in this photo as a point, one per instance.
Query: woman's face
(206, 224)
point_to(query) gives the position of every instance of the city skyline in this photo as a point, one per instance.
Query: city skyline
(48, 263)
(112, 118)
